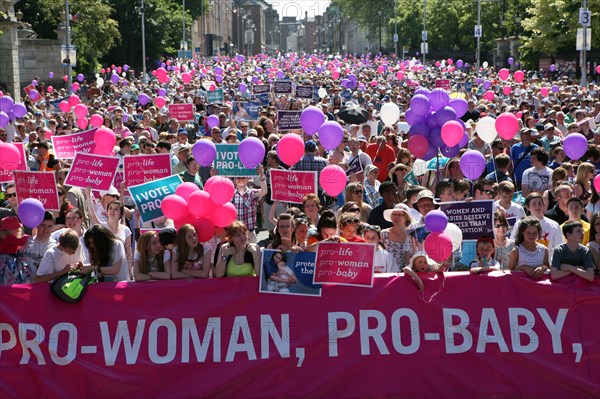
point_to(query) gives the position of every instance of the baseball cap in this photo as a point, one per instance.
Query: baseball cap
(182, 131)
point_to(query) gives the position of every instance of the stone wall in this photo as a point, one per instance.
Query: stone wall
(37, 57)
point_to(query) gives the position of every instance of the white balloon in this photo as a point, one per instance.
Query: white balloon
(455, 234)
(100, 82)
(97, 75)
(486, 129)
(419, 167)
(322, 92)
(390, 113)
(485, 64)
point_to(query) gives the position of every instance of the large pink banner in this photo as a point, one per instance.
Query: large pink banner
(291, 186)
(65, 147)
(139, 169)
(38, 185)
(495, 335)
(95, 171)
(7, 176)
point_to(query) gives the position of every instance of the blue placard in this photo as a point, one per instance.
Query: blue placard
(148, 196)
(228, 162)
(215, 96)
(245, 110)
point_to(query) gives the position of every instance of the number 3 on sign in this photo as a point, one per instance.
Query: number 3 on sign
(478, 32)
(585, 17)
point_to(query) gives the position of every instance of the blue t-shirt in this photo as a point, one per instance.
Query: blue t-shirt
(516, 153)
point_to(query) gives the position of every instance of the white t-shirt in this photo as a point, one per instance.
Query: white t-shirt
(35, 251)
(55, 260)
(384, 262)
(513, 213)
(118, 252)
(537, 180)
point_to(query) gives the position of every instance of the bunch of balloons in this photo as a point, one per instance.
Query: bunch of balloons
(204, 209)
(444, 238)
(9, 110)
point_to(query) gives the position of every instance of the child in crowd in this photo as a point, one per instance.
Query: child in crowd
(529, 256)
(485, 261)
(571, 257)
(13, 262)
(60, 259)
(12, 239)
(384, 262)
(421, 263)
(148, 260)
(574, 211)
(167, 239)
(462, 189)
(513, 210)
(444, 190)
(189, 259)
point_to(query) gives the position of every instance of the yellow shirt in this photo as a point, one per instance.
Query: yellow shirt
(586, 231)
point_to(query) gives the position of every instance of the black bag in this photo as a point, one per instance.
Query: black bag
(72, 286)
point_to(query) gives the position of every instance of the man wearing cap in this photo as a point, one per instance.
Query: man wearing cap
(182, 139)
(382, 155)
(182, 154)
(549, 137)
(388, 191)
(371, 185)
(424, 203)
(520, 154)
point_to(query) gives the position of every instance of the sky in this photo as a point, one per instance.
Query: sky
(297, 8)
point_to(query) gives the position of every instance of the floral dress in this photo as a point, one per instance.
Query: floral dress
(401, 251)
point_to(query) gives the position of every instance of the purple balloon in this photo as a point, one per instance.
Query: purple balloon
(280, 74)
(19, 111)
(472, 164)
(6, 104)
(478, 81)
(412, 118)
(511, 61)
(552, 68)
(438, 99)
(50, 75)
(162, 65)
(420, 104)
(555, 89)
(420, 129)
(436, 221)
(143, 98)
(258, 70)
(204, 152)
(251, 152)
(126, 67)
(435, 137)
(423, 91)
(459, 63)
(219, 78)
(34, 82)
(311, 119)
(243, 87)
(575, 145)
(459, 105)
(114, 78)
(255, 79)
(31, 212)
(445, 115)
(219, 70)
(431, 153)
(464, 141)
(431, 121)
(345, 82)
(80, 77)
(450, 152)
(353, 77)
(162, 92)
(34, 94)
(331, 134)
(212, 121)
(487, 84)
(4, 119)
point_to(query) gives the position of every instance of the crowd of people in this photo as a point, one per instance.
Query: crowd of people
(546, 208)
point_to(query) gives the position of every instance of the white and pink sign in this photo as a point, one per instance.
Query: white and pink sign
(139, 169)
(292, 186)
(65, 147)
(7, 176)
(95, 171)
(38, 185)
(344, 264)
(182, 112)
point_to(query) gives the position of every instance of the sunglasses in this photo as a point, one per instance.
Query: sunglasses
(358, 191)
(353, 210)
(10, 195)
(499, 226)
(350, 221)
(488, 192)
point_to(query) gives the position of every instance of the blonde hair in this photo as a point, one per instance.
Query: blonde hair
(583, 170)
(183, 249)
(144, 247)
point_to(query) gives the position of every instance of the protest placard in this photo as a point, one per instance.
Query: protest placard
(443, 84)
(282, 87)
(262, 98)
(291, 185)
(6, 175)
(475, 218)
(245, 110)
(288, 273)
(261, 88)
(228, 162)
(95, 171)
(215, 96)
(305, 92)
(38, 185)
(288, 120)
(181, 112)
(140, 169)
(148, 196)
(344, 263)
(65, 147)
(354, 166)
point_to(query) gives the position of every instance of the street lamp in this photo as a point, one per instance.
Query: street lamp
(380, 13)
(68, 28)
(183, 43)
(140, 10)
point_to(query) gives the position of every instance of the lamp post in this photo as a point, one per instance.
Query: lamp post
(424, 34)
(140, 10)
(396, 28)
(380, 13)
(585, 22)
(68, 28)
(183, 43)
(478, 54)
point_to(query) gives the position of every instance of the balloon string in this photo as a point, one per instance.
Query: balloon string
(421, 294)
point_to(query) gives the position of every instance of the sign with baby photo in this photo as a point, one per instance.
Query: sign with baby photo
(344, 264)
(38, 185)
(95, 171)
(288, 273)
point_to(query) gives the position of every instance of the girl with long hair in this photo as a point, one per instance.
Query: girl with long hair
(148, 259)
(529, 256)
(106, 253)
(190, 260)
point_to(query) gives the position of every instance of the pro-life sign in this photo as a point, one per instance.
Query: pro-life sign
(344, 264)
(148, 196)
(228, 161)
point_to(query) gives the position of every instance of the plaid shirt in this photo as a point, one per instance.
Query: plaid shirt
(310, 162)
(246, 205)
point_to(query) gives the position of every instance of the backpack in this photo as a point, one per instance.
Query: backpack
(72, 286)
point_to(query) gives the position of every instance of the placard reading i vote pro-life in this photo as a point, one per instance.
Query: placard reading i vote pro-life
(228, 162)
(148, 196)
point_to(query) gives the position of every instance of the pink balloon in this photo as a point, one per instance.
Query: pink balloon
(73, 100)
(64, 106)
(544, 91)
(503, 74)
(105, 138)
(186, 189)
(75, 86)
(335, 74)
(221, 190)
(205, 229)
(507, 125)
(597, 182)
(290, 149)
(506, 90)
(82, 123)
(49, 89)
(96, 120)
(438, 246)
(519, 76)
(160, 102)
(80, 111)
(418, 145)
(10, 157)
(519, 115)
(452, 133)
(186, 77)
(400, 75)
(224, 215)
(449, 61)
(209, 182)
(200, 205)
(333, 180)
(598, 71)
(174, 207)
(489, 95)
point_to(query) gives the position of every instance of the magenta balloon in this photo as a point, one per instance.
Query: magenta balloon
(438, 99)
(290, 149)
(419, 104)
(31, 212)
(212, 121)
(64, 106)
(507, 125)
(80, 111)
(438, 246)
(472, 164)
(96, 120)
(251, 152)
(331, 135)
(575, 145)
(452, 133)
(460, 106)
(186, 189)
(174, 207)
(311, 120)
(221, 191)
(199, 204)
(436, 221)
(105, 138)
(597, 183)
(19, 110)
(204, 152)
(10, 157)
(418, 145)
(224, 215)
(333, 180)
